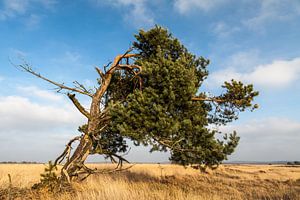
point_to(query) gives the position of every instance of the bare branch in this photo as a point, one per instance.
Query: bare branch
(131, 67)
(82, 87)
(60, 158)
(105, 66)
(101, 74)
(67, 175)
(61, 86)
(119, 58)
(209, 99)
(105, 83)
(78, 105)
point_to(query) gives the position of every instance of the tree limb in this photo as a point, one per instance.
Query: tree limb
(209, 99)
(60, 158)
(78, 105)
(99, 71)
(82, 87)
(119, 58)
(61, 86)
(131, 67)
(172, 147)
(105, 83)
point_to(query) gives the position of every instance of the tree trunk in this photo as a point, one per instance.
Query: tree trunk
(77, 159)
(85, 146)
(83, 150)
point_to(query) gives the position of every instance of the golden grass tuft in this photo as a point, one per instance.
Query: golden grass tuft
(159, 181)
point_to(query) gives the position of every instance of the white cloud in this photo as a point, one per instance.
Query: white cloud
(244, 60)
(267, 139)
(23, 8)
(136, 11)
(222, 29)
(185, 6)
(278, 74)
(274, 10)
(19, 115)
(37, 92)
(39, 132)
(38, 123)
(12, 8)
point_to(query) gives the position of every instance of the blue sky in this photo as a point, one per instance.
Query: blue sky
(256, 41)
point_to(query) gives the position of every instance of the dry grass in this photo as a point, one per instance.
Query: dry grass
(153, 181)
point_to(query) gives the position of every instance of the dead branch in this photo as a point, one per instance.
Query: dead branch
(209, 99)
(82, 87)
(78, 105)
(60, 86)
(60, 158)
(118, 59)
(106, 81)
(131, 67)
(101, 74)
(97, 117)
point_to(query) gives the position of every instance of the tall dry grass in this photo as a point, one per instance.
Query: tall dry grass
(156, 181)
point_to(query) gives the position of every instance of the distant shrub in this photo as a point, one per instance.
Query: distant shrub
(293, 163)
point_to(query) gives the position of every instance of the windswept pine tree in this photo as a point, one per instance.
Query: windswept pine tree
(151, 96)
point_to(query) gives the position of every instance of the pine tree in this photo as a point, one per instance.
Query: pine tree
(152, 97)
(167, 113)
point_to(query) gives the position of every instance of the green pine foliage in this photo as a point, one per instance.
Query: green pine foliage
(156, 107)
(49, 179)
(162, 114)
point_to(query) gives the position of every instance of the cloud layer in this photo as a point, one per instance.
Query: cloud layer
(267, 139)
(274, 10)
(39, 132)
(185, 6)
(26, 9)
(36, 128)
(278, 74)
(136, 12)
(19, 114)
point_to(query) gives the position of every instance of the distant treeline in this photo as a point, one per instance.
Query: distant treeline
(22, 162)
(240, 162)
(293, 163)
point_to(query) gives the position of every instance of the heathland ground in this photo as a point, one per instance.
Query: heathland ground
(162, 181)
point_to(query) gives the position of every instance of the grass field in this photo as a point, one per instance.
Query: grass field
(155, 181)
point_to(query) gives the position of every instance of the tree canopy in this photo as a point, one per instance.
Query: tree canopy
(168, 112)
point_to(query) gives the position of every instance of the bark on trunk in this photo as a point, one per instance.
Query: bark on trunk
(75, 163)
(81, 153)
(77, 159)
(85, 146)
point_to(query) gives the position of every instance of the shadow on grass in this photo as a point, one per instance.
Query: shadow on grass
(139, 177)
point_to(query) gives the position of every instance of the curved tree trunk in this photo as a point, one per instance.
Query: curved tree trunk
(77, 159)
(95, 117)
(84, 148)
(76, 162)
